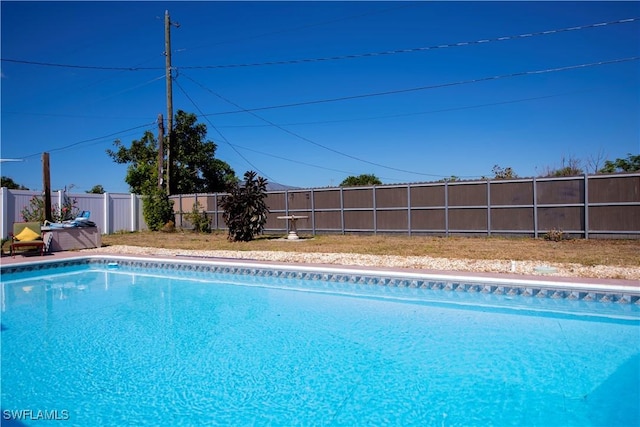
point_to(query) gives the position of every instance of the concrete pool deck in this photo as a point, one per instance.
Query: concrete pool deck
(596, 284)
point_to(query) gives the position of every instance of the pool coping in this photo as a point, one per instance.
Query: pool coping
(575, 288)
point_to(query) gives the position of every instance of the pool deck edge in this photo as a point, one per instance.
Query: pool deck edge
(578, 283)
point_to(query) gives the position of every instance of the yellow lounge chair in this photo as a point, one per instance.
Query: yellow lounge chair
(27, 235)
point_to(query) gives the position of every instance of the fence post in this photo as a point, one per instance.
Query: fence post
(488, 207)
(534, 182)
(215, 212)
(133, 213)
(409, 209)
(586, 206)
(286, 208)
(180, 208)
(446, 208)
(4, 232)
(375, 212)
(342, 209)
(60, 202)
(313, 214)
(105, 203)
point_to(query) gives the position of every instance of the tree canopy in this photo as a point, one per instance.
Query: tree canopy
(194, 168)
(629, 164)
(96, 189)
(9, 183)
(364, 179)
(570, 166)
(503, 173)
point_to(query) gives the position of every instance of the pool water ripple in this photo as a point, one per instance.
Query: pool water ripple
(141, 349)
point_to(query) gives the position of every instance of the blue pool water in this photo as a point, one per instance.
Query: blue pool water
(106, 346)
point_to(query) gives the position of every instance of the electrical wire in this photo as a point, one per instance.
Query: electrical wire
(303, 163)
(420, 88)
(411, 50)
(337, 57)
(234, 146)
(309, 140)
(220, 133)
(418, 113)
(302, 27)
(66, 147)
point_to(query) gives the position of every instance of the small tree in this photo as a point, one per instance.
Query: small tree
(245, 211)
(9, 183)
(198, 219)
(34, 211)
(364, 179)
(630, 164)
(157, 209)
(570, 166)
(500, 173)
(97, 189)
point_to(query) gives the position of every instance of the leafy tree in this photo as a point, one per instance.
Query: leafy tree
(245, 211)
(452, 178)
(630, 164)
(157, 209)
(9, 183)
(364, 179)
(570, 167)
(500, 173)
(198, 219)
(97, 189)
(142, 157)
(194, 168)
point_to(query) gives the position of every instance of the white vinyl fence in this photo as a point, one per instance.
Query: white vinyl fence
(112, 212)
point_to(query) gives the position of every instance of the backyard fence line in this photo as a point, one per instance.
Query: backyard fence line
(112, 212)
(583, 206)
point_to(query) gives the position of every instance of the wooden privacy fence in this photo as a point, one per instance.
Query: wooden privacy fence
(581, 206)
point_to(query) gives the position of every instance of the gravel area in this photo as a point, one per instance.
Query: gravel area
(393, 261)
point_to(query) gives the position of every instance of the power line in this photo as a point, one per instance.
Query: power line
(412, 50)
(233, 146)
(417, 113)
(302, 27)
(88, 67)
(74, 116)
(88, 140)
(420, 88)
(300, 162)
(309, 140)
(337, 57)
(220, 133)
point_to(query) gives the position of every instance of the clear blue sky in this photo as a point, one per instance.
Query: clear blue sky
(415, 116)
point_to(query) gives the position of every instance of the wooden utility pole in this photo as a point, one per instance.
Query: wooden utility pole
(46, 185)
(160, 151)
(167, 53)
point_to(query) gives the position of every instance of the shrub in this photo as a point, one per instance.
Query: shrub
(198, 219)
(34, 211)
(245, 211)
(157, 209)
(554, 235)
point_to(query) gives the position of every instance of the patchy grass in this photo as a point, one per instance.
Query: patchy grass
(585, 252)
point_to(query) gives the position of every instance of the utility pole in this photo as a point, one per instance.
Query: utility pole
(160, 151)
(46, 185)
(167, 53)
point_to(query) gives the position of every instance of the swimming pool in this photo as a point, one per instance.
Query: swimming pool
(116, 341)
